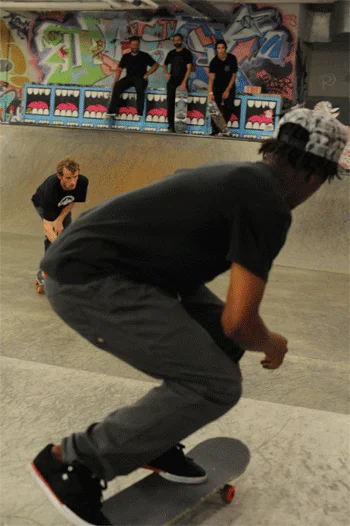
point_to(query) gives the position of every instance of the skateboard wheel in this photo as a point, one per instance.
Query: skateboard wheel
(36, 282)
(40, 290)
(228, 493)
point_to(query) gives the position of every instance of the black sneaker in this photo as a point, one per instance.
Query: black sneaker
(73, 489)
(176, 467)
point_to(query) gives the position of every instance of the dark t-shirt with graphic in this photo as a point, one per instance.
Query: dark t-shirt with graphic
(51, 197)
(179, 232)
(223, 69)
(178, 61)
(136, 65)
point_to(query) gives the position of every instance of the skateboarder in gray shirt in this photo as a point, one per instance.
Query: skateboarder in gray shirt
(130, 276)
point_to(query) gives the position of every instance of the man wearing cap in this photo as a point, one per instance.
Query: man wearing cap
(130, 276)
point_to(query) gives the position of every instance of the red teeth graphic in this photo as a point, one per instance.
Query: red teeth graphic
(265, 118)
(233, 118)
(38, 104)
(127, 110)
(96, 108)
(195, 114)
(67, 106)
(261, 119)
(158, 111)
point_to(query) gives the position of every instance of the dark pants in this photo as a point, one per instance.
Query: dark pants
(139, 83)
(226, 108)
(178, 340)
(173, 83)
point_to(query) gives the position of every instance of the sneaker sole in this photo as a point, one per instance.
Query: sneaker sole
(178, 478)
(60, 507)
(183, 480)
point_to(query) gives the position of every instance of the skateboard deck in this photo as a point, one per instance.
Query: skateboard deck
(154, 501)
(218, 118)
(181, 104)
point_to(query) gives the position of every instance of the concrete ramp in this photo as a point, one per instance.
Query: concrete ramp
(117, 162)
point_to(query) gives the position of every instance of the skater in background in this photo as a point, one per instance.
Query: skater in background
(180, 60)
(55, 198)
(222, 77)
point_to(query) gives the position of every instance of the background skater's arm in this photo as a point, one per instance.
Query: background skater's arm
(210, 87)
(58, 223)
(188, 73)
(226, 93)
(49, 230)
(151, 70)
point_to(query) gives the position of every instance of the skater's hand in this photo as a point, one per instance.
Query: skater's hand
(277, 347)
(49, 230)
(183, 86)
(168, 76)
(58, 227)
(210, 97)
(225, 95)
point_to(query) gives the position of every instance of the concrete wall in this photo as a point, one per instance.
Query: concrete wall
(116, 162)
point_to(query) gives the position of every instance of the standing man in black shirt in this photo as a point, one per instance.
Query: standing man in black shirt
(130, 277)
(180, 60)
(136, 63)
(222, 77)
(55, 198)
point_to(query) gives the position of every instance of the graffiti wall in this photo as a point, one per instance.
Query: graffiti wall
(75, 49)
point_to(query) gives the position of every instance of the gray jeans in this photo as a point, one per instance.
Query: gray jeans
(178, 340)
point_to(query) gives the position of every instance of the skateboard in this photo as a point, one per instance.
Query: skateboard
(218, 118)
(39, 282)
(158, 502)
(181, 103)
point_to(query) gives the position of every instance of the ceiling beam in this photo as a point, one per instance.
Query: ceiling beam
(10, 5)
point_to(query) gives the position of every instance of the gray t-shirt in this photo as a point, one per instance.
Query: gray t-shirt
(179, 232)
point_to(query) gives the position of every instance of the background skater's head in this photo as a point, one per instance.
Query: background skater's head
(305, 152)
(68, 173)
(135, 45)
(221, 48)
(178, 41)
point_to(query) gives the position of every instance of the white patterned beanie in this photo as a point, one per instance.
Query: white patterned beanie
(327, 136)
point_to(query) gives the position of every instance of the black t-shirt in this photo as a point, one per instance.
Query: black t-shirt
(136, 65)
(178, 61)
(223, 69)
(51, 197)
(179, 232)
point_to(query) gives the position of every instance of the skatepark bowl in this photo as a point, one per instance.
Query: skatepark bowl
(294, 420)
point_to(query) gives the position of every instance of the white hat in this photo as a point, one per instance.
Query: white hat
(327, 136)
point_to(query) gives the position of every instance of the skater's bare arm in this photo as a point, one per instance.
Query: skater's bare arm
(226, 93)
(210, 87)
(117, 74)
(166, 72)
(241, 320)
(58, 223)
(151, 70)
(188, 73)
(49, 230)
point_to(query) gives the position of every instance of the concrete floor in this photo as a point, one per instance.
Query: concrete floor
(294, 420)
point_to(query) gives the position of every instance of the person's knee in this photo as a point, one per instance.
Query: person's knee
(225, 393)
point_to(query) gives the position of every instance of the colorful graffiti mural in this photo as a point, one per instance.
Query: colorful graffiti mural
(74, 49)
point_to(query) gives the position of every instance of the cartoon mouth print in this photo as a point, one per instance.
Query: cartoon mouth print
(196, 111)
(95, 104)
(38, 101)
(66, 102)
(156, 108)
(260, 115)
(235, 118)
(195, 118)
